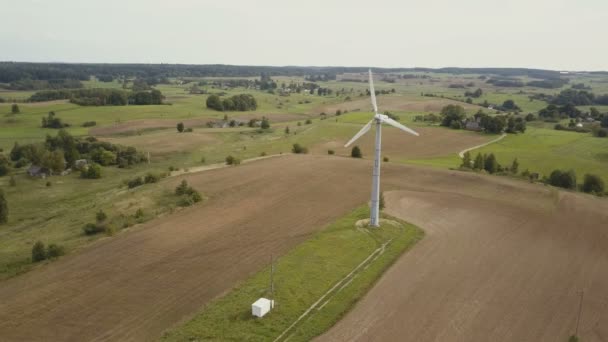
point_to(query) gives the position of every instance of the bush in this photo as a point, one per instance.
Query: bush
(89, 124)
(308, 121)
(15, 109)
(385, 159)
(563, 179)
(203, 160)
(299, 149)
(92, 228)
(100, 216)
(3, 208)
(180, 127)
(331, 152)
(593, 184)
(356, 152)
(93, 171)
(151, 178)
(38, 252)
(55, 251)
(48, 184)
(602, 133)
(135, 182)
(230, 160)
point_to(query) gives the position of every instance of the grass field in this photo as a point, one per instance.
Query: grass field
(543, 150)
(301, 277)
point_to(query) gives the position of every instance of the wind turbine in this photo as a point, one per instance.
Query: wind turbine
(378, 120)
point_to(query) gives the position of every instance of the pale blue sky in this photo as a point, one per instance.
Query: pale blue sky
(550, 34)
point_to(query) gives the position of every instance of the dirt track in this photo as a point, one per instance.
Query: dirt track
(468, 280)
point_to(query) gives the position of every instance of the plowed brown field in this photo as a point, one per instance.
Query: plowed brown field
(502, 260)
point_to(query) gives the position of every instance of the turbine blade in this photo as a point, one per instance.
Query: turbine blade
(360, 133)
(372, 92)
(398, 125)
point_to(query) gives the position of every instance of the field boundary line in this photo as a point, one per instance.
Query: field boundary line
(461, 153)
(350, 275)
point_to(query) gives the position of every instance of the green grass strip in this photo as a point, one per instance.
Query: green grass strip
(301, 278)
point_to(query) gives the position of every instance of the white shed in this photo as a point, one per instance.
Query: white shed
(261, 307)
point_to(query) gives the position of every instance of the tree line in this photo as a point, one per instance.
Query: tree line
(100, 97)
(560, 178)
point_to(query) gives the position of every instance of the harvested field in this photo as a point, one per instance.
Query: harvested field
(489, 271)
(432, 142)
(502, 258)
(150, 124)
(394, 103)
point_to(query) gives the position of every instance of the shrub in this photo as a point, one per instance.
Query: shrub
(182, 188)
(203, 160)
(385, 159)
(602, 133)
(265, 123)
(180, 127)
(55, 251)
(593, 184)
(100, 216)
(563, 179)
(230, 160)
(89, 124)
(12, 181)
(331, 152)
(151, 178)
(38, 252)
(15, 109)
(48, 184)
(299, 149)
(263, 154)
(93, 171)
(3, 208)
(189, 130)
(381, 202)
(92, 228)
(356, 152)
(135, 182)
(308, 121)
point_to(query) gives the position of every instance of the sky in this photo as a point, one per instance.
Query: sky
(546, 34)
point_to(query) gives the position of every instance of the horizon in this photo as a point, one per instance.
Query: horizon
(386, 33)
(308, 66)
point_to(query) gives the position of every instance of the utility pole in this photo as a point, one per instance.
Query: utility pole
(580, 309)
(271, 282)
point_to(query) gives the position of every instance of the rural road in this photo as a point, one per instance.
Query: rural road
(461, 153)
(502, 260)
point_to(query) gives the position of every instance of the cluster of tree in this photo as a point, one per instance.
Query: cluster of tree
(100, 97)
(506, 82)
(104, 78)
(487, 162)
(509, 106)
(51, 121)
(321, 77)
(567, 179)
(378, 92)
(188, 195)
(578, 97)
(475, 94)
(63, 150)
(241, 102)
(453, 116)
(552, 83)
(40, 252)
(554, 112)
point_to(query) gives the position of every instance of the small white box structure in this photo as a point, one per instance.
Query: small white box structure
(261, 307)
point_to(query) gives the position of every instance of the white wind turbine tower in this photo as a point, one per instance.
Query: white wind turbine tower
(378, 119)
